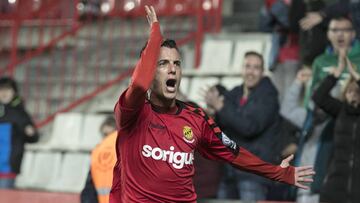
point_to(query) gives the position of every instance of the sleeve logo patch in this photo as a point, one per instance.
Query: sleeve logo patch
(228, 142)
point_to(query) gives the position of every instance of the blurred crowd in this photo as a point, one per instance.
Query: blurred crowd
(309, 107)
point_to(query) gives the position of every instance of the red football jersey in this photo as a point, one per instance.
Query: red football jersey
(156, 155)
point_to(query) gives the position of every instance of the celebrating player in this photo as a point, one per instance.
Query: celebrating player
(159, 134)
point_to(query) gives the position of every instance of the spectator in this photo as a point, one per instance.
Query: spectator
(291, 107)
(339, 8)
(315, 140)
(274, 19)
(222, 91)
(248, 114)
(108, 126)
(312, 42)
(205, 187)
(159, 134)
(91, 8)
(343, 44)
(342, 181)
(103, 158)
(16, 128)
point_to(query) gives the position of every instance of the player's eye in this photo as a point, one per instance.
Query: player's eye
(163, 62)
(177, 63)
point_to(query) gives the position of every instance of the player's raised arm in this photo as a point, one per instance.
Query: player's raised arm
(145, 69)
(133, 98)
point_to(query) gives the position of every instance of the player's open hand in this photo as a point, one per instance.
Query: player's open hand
(303, 174)
(151, 15)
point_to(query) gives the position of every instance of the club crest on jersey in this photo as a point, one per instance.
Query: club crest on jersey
(188, 134)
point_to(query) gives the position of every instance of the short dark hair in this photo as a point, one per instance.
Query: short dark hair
(254, 53)
(169, 43)
(349, 82)
(7, 82)
(109, 121)
(342, 17)
(221, 89)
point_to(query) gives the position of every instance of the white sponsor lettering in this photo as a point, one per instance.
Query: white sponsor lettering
(177, 159)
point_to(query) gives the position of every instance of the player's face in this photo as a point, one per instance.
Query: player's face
(167, 78)
(340, 33)
(252, 70)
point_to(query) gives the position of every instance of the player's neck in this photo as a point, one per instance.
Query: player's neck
(164, 106)
(165, 109)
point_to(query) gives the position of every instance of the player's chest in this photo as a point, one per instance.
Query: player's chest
(168, 132)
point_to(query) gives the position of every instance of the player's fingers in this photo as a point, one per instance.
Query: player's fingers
(148, 19)
(147, 9)
(153, 14)
(152, 10)
(303, 168)
(307, 180)
(302, 186)
(289, 158)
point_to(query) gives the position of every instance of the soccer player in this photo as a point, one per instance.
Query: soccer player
(159, 134)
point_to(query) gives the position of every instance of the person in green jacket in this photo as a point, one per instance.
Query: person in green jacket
(341, 35)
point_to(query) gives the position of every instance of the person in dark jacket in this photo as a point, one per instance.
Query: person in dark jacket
(16, 128)
(249, 115)
(342, 181)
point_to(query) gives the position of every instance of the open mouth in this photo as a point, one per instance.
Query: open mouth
(341, 41)
(171, 85)
(354, 104)
(250, 77)
(171, 82)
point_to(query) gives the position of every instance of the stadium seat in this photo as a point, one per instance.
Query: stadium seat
(91, 135)
(23, 179)
(45, 168)
(66, 131)
(198, 85)
(72, 174)
(216, 56)
(231, 82)
(184, 86)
